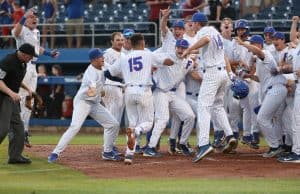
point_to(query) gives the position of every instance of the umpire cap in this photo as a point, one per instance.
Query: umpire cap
(240, 89)
(199, 17)
(28, 49)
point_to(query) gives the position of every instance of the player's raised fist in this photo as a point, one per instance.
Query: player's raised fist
(165, 12)
(295, 18)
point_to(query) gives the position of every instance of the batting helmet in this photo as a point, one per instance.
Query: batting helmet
(240, 89)
(182, 43)
(199, 17)
(242, 24)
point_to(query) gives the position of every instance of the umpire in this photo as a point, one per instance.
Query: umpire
(12, 72)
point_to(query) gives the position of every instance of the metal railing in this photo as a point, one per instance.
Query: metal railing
(93, 30)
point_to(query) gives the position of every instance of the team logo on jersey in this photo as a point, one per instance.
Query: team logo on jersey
(2, 74)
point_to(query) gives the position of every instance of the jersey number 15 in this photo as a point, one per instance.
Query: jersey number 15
(135, 64)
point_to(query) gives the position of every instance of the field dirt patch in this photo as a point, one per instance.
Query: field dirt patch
(245, 163)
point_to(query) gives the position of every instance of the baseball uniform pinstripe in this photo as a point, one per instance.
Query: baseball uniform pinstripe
(32, 37)
(84, 106)
(213, 84)
(114, 96)
(273, 92)
(296, 112)
(135, 68)
(166, 99)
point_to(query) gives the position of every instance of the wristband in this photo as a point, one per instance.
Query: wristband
(47, 53)
(22, 21)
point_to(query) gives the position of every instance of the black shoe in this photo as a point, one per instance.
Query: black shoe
(26, 140)
(20, 160)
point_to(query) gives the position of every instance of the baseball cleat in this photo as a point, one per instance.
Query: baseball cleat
(52, 157)
(151, 152)
(290, 158)
(109, 156)
(185, 150)
(231, 144)
(203, 151)
(128, 159)
(138, 149)
(218, 139)
(116, 151)
(172, 146)
(272, 152)
(26, 140)
(130, 138)
(246, 139)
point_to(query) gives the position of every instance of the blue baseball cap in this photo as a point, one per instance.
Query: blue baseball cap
(257, 39)
(278, 35)
(269, 29)
(95, 53)
(178, 23)
(199, 17)
(182, 43)
(128, 32)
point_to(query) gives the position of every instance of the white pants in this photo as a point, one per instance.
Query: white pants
(211, 98)
(270, 114)
(114, 102)
(82, 109)
(287, 119)
(140, 110)
(169, 101)
(296, 122)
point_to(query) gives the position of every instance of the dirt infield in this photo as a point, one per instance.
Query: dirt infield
(245, 163)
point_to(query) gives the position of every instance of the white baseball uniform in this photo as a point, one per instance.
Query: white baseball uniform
(213, 84)
(32, 37)
(165, 99)
(114, 96)
(84, 106)
(273, 92)
(135, 68)
(296, 112)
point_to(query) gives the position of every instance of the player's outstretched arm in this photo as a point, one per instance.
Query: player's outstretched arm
(293, 32)
(164, 20)
(200, 43)
(255, 50)
(18, 27)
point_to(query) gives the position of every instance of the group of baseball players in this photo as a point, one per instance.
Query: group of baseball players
(198, 76)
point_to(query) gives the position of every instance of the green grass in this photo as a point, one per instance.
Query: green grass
(41, 177)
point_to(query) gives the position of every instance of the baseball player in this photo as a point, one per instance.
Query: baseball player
(87, 103)
(114, 96)
(213, 85)
(268, 35)
(26, 32)
(280, 55)
(167, 80)
(273, 93)
(136, 69)
(294, 67)
(294, 156)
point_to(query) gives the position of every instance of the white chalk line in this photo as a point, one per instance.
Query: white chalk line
(32, 171)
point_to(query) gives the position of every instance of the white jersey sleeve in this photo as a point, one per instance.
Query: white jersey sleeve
(92, 77)
(115, 68)
(28, 36)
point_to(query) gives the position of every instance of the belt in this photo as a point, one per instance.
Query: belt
(173, 89)
(219, 68)
(190, 93)
(140, 85)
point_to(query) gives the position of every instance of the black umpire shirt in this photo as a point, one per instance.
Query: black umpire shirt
(12, 71)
